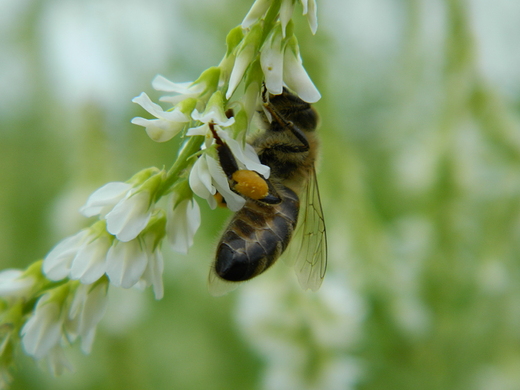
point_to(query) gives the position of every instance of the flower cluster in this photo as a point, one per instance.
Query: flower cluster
(64, 313)
(63, 297)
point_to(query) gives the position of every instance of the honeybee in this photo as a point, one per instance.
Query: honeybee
(284, 209)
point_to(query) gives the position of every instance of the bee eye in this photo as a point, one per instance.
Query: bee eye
(250, 184)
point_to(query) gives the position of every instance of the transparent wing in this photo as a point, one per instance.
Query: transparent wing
(308, 248)
(218, 286)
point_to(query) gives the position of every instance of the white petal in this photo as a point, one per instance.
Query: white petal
(87, 339)
(58, 362)
(13, 285)
(233, 201)
(200, 179)
(184, 90)
(258, 10)
(160, 83)
(286, 11)
(183, 223)
(305, 6)
(156, 264)
(93, 310)
(216, 116)
(176, 99)
(297, 79)
(107, 195)
(80, 296)
(159, 130)
(312, 17)
(144, 101)
(130, 216)
(90, 262)
(201, 130)
(58, 262)
(126, 262)
(43, 330)
(271, 60)
(241, 63)
(174, 116)
(246, 156)
(94, 306)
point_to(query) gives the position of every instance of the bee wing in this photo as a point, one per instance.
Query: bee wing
(308, 247)
(218, 286)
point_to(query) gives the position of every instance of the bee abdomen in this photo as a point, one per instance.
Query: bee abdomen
(256, 237)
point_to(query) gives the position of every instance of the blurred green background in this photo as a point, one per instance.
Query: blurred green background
(419, 178)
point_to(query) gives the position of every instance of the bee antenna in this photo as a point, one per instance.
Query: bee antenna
(218, 140)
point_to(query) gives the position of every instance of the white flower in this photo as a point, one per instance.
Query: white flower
(14, 284)
(105, 198)
(283, 66)
(295, 75)
(242, 61)
(200, 181)
(81, 256)
(86, 310)
(244, 54)
(213, 113)
(168, 123)
(57, 361)
(257, 11)
(310, 9)
(184, 91)
(43, 331)
(152, 275)
(271, 61)
(126, 262)
(58, 261)
(207, 177)
(245, 155)
(260, 8)
(65, 313)
(130, 215)
(127, 207)
(183, 221)
(89, 264)
(138, 263)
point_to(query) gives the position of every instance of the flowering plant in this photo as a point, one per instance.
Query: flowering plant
(63, 297)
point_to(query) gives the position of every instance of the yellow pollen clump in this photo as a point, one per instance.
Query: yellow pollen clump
(250, 184)
(220, 200)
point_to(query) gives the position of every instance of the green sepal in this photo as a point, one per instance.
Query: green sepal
(210, 77)
(241, 124)
(233, 39)
(182, 191)
(155, 231)
(252, 40)
(187, 106)
(152, 184)
(141, 176)
(254, 74)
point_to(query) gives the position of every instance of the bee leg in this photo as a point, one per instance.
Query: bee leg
(285, 124)
(244, 182)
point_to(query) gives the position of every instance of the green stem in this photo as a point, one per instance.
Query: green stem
(191, 147)
(270, 19)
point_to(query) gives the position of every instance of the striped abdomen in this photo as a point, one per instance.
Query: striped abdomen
(256, 236)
